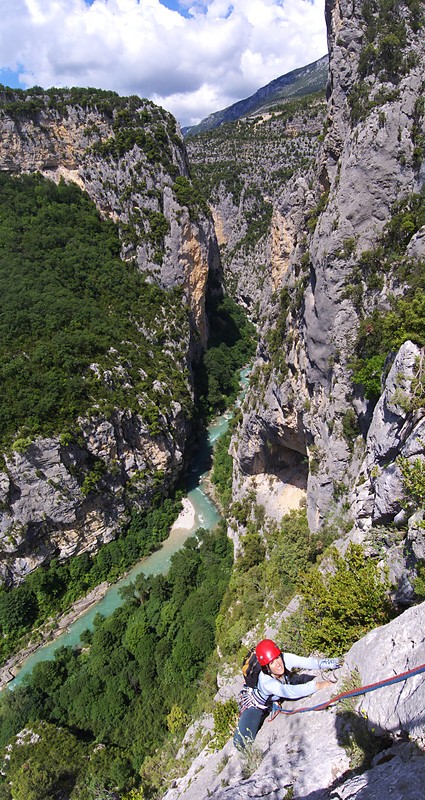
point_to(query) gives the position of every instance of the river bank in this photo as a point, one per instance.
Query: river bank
(55, 627)
(51, 631)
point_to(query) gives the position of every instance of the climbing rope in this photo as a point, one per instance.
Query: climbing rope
(403, 676)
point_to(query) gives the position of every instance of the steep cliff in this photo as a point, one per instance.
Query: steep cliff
(366, 748)
(335, 409)
(351, 236)
(67, 489)
(244, 167)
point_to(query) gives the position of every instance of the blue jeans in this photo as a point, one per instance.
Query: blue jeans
(250, 722)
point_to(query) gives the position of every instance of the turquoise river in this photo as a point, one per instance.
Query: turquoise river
(205, 516)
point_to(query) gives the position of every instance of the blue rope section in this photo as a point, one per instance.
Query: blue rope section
(403, 676)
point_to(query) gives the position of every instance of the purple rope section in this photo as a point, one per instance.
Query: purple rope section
(371, 687)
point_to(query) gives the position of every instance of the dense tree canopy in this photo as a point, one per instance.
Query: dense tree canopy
(68, 301)
(136, 666)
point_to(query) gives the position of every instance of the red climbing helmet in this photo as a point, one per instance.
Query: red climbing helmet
(266, 651)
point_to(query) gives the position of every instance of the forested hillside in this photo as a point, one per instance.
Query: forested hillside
(98, 714)
(107, 251)
(74, 312)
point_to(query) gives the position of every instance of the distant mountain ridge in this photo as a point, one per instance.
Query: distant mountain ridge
(298, 82)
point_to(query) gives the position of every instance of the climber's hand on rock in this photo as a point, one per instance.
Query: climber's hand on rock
(323, 684)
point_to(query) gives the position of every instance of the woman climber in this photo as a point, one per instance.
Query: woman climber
(272, 685)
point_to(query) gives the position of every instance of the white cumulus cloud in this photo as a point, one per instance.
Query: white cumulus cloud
(192, 57)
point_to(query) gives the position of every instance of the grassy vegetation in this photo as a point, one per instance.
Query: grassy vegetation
(340, 604)
(383, 330)
(387, 54)
(267, 570)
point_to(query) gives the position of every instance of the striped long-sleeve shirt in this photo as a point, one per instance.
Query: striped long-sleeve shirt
(271, 689)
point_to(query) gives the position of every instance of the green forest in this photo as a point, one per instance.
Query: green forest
(51, 589)
(99, 712)
(102, 710)
(68, 301)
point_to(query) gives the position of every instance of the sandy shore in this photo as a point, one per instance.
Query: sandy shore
(186, 518)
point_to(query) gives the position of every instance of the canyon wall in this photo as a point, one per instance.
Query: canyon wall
(333, 224)
(128, 156)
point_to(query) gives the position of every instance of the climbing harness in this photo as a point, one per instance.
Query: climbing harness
(403, 676)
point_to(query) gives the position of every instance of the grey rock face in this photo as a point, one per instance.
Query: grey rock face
(392, 432)
(305, 753)
(365, 165)
(416, 246)
(400, 774)
(46, 510)
(387, 651)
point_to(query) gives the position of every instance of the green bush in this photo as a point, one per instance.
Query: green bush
(253, 551)
(268, 571)
(189, 193)
(340, 605)
(45, 764)
(413, 474)
(350, 427)
(419, 582)
(225, 717)
(368, 373)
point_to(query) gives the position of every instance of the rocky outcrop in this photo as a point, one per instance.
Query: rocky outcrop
(61, 499)
(126, 154)
(392, 433)
(367, 750)
(370, 159)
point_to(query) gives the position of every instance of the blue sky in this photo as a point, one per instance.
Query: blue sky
(192, 57)
(10, 78)
(174, 6)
